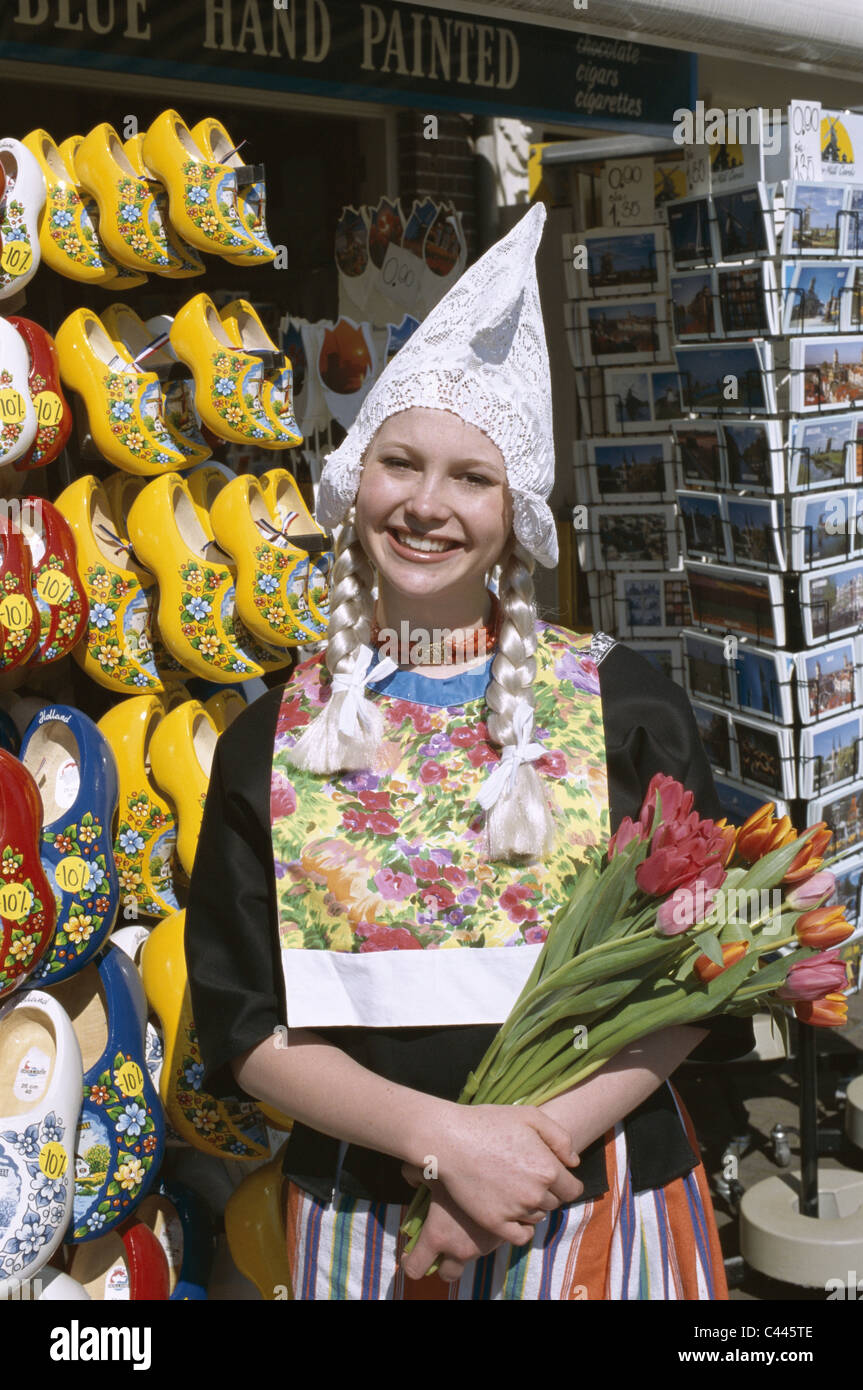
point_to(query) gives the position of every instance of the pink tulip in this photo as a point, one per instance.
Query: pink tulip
(812, 891)
(686, 906)
(815, 977)
(626, 832)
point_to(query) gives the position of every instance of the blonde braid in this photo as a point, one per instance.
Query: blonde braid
(520, 824)
(322, 747)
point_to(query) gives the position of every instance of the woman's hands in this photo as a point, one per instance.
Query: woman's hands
(500, 1170)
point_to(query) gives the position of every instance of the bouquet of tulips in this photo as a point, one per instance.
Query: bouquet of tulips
(680, 919)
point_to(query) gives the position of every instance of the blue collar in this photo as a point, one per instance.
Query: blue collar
(405, 684)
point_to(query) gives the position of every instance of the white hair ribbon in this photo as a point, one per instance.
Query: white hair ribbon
(502, 780)
(353, 683)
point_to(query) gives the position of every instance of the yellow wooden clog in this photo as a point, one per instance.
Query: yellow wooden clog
(255, 1225)
(202, 193)
(68, 240)
(181, 757)
(197, 616)
(204, 485)
(220, 149)
(245, 328)
(122, 277)
(190, 262)
(223, 707)
(145, 839)
(129, 220)
(227, 1128)
(129, 331)
(124, 406)
(277, 553)
(117, 649)
(228, 382)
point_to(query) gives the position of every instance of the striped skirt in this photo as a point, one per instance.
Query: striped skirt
(660, 1244)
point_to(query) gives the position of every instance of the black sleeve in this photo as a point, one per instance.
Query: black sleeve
(650, 728)
(232, 954)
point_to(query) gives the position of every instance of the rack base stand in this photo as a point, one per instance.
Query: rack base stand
(854, 1111)
(778, 1241)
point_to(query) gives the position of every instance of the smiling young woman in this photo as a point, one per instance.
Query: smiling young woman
(370, 821)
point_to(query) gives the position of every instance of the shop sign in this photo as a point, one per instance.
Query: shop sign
(410, 55)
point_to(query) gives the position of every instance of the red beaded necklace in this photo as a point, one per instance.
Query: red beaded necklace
(441, 647)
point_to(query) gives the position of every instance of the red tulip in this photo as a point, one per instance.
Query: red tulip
(823, 927)
(815, 977)
(831, 1011)
(676, 802)
(684, 852)
(707, 969)
(626, 832)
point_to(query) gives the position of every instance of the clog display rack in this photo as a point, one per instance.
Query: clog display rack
(159, 564)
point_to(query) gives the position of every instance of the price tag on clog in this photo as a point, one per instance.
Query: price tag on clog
(49, 408)
(16, 257)
(16, 611)
(129, 1079)
(53, 1159)
(72, 873)
(53, 586)
(12, 406)
(15, 902)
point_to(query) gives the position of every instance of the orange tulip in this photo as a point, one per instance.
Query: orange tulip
(762, 833)
(823, 927)
(831, 1011)
(811, 856)
(707, 969)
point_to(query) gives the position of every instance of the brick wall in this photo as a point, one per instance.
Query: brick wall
(443, 169)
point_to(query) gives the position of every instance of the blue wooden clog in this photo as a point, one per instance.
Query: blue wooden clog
(120, 1140)
(75, 771)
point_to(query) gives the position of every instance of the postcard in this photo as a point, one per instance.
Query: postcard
(825, 373)
(744, 602)
(813, 219)
(747, 300)
(819, 297)
(851, 241)
(714, 730)
(707, 667)
(727, 379)
(754, 455)
(827, 680)
(763, 682)
(635, 537)
(821, 451)
(765, 755)
(628, 400)
(615, 332)
(694, 306)
(638, 468)
(738, 803)
(843, 814)
(699, 452)
(823, 528)
(665, 394)
(743, 224)
(755, 533)
(847, 892)
(831, 602)
(622, 263)
(689, 232)
(652, 605)
(829, 754)
(704, 529)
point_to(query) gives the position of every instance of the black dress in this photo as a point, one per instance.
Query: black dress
(233, 954)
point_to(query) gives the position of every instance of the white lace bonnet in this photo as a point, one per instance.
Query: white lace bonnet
(481, 353)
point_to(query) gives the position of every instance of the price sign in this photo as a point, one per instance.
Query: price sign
(72, 873)
(129, 1079)
(16, 257)
(53, 1159)
(15, 902)
(12, 406)
(16, 612)
(697, 164)
(628, 193)
(53, 586)
(49, 408)
(401, 276)
(804, 125)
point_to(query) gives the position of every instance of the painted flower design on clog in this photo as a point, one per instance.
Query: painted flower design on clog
(120, 633)
(222, 1126)
(71, 227)
(28, 1166)
(236, 394)
(210, 202)
(135, 416)
(283, 591)
(32, 923)
(146, 830)
(117, 1142)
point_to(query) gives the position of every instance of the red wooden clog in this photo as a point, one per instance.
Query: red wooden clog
(53, 412)
(27, 908)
